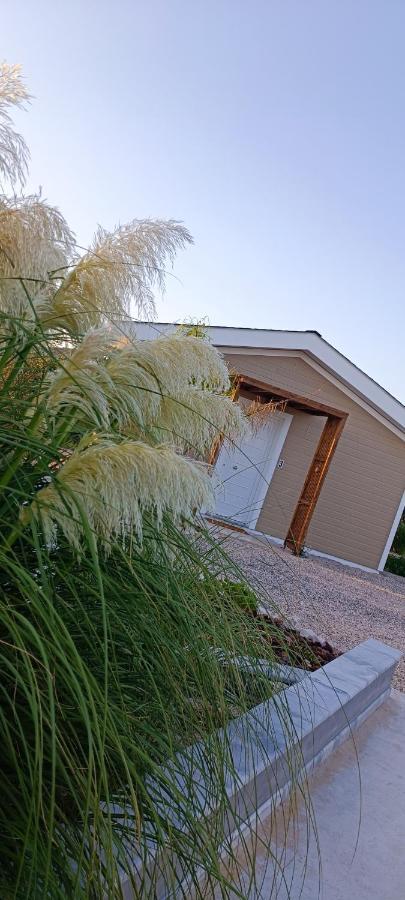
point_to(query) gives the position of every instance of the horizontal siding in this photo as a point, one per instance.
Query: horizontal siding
(366, 479)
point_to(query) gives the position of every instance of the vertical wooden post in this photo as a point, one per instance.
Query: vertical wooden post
(313, 483)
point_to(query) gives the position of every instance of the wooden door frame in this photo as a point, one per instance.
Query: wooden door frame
(322, 458)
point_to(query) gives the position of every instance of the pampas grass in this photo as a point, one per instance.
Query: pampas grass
(148, 385)
(121, 269)
(110, 603)
(14, 153)
(113, 485)
(41, 273)
(34, 240)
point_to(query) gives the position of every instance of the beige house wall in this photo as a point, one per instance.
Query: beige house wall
(366, 479)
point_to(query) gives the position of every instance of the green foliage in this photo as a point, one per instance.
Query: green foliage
(112, 607)
(398, 545)
(233, 593)
(395, 564)
(110, 669)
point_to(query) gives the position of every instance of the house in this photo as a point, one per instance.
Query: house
(326, 471)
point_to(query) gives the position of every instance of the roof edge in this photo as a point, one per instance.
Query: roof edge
(309, 342)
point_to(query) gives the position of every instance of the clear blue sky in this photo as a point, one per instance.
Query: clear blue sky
(275, 130)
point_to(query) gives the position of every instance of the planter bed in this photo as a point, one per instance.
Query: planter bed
(287, 645)
(309, 651)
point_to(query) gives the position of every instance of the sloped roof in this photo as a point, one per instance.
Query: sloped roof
(313, 345)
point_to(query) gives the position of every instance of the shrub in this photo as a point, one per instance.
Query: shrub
(395, 564)
(398, 545)
(234, 593)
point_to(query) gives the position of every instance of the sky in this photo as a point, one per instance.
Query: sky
(274, 129)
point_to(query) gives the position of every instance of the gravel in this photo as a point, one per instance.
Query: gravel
(340, 604)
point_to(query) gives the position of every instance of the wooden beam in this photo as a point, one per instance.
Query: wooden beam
(271, 392)
(313, 483)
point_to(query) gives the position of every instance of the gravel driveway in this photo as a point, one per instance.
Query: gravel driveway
(339, 603)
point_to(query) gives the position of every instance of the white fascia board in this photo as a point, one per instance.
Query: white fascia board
(147, 331)
(321, 351)
(307, 342)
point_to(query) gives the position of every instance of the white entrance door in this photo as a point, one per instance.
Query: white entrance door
(244, 472)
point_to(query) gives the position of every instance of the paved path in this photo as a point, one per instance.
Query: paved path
(342, 604)
(357, 849)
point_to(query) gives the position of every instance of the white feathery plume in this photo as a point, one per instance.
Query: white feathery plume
(121, 268)
(103, 384)
(146, 373)
(81, 382)
(14, 153)
(136, 396)
(148, 385)
(114, 485)
(163, 367)
(34, 240)
(194, 421)
(201, 362)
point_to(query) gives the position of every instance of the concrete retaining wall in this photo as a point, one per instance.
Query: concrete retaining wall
(288, 734)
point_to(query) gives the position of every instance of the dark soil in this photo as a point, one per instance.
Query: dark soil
(292, 648)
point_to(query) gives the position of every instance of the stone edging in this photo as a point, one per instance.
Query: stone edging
(302, 723)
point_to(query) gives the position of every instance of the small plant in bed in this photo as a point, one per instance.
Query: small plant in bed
(234, 594)
(275, 636)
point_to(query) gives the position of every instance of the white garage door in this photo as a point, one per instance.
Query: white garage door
(244, 473)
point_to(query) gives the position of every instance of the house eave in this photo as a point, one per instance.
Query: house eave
(232, 339)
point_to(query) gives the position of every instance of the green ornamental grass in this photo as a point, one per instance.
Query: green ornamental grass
(113, 602)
